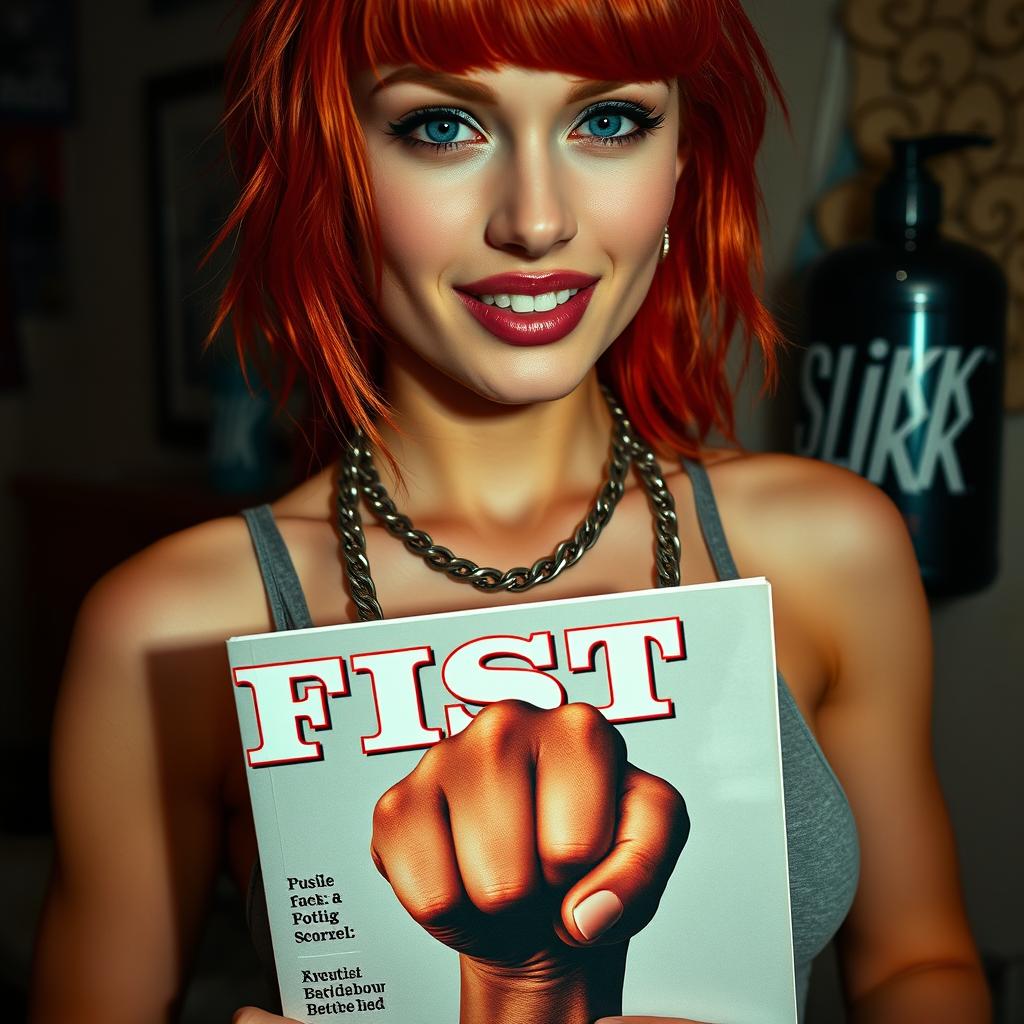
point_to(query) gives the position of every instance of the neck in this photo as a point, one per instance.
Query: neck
(489, 464)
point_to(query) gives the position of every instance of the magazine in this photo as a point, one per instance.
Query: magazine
(333, 718)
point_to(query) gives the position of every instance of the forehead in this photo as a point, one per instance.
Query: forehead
(487, 86)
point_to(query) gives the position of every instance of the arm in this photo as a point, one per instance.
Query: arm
(906, 949)
(138, 754)
(531, 846)
(837, 550)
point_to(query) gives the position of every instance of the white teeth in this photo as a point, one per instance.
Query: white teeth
(530, 303)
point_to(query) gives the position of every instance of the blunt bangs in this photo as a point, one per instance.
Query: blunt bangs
(626, 40)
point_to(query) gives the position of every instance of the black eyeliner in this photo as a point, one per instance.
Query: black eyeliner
(423, 115)
(644, 116)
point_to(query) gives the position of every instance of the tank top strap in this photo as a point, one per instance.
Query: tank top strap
(710, 522)
(284, 591)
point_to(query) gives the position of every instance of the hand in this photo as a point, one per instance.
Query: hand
(529, 844)
(642, 1020)
(251, 1015)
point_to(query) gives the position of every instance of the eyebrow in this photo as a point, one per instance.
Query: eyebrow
(477, 92)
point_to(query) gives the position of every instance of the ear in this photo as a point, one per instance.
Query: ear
(682, 155)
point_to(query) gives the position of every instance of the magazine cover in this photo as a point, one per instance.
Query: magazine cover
(412, 780)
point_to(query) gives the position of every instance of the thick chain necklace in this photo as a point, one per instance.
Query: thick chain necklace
(358, 477)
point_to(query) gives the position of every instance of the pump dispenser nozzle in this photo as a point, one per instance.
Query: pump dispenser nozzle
(908, 203)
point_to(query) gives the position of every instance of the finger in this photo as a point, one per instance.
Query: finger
(646, 1020)
(492, 812)
(252, 1015)
(412, 848)
(619, 895)
(578, 770)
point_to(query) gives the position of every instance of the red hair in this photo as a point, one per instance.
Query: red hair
(306, 198)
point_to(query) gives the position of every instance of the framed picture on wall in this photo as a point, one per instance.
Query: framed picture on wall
(190, 194)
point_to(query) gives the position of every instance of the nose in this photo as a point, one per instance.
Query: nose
(532, 212)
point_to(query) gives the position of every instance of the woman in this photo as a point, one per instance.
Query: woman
(420, 184)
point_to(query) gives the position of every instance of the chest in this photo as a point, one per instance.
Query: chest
(622, 559)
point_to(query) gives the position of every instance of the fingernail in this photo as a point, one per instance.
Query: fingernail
(597, 913)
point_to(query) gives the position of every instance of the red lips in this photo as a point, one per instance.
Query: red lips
(529, 328)
(528, 284)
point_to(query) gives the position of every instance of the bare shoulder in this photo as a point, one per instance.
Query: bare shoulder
(840, 560)
(195, 588)
(810, 515)
(147, 659)
(197, 583)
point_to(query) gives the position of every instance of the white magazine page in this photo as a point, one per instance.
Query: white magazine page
(688, 677)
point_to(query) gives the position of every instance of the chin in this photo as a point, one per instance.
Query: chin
(526, 384)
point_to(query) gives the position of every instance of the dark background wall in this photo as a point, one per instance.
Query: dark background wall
(80, 437)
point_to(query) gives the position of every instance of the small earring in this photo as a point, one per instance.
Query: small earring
(664, 243)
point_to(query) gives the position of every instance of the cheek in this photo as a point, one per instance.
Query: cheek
(630, 210)
(425, 220)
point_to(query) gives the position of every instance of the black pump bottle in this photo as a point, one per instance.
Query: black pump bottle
(901, 379)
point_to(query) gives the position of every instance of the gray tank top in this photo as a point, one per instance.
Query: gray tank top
(824, 856)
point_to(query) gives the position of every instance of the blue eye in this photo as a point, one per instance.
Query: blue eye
(605, 126)
(441, 128)
(441, 131)
(446, 128)
(605, 121)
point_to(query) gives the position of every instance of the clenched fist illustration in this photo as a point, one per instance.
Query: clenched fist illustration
(529, 844)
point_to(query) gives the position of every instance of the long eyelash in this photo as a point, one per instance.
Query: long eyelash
(644, 117)
(405, 126)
